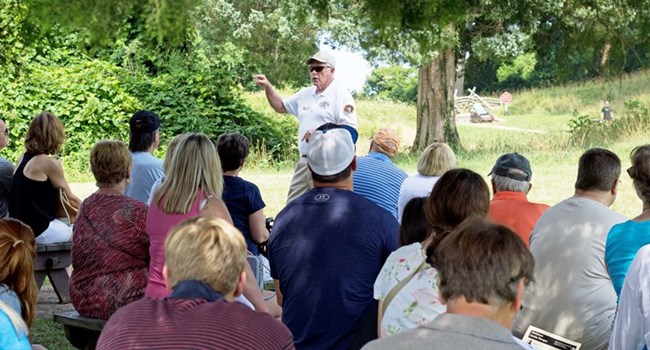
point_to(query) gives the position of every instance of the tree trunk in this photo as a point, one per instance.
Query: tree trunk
(436, 120)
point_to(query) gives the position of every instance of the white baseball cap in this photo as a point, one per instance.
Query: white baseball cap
(330, 151)
(323, 56)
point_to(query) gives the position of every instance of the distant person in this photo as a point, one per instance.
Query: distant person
(243, 198)
(434, 161)
(192, 188)
(606, 113)
(483, 269)
(632, 321)
(511, 176)
(376, 177)
(324, 102)
(326, 248)
(625, 239)
(39, 179)
(110, 250)
(406, 287)
(573, 296)
(147, 169)
(6, 172)
(204, 269)
(17, 253)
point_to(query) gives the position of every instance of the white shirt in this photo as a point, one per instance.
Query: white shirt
(632, 325)
(413, 187)
(334, 105)
(573, 295)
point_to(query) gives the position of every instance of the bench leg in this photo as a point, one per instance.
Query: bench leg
(39, 276)
(81, 338)
(60, 280)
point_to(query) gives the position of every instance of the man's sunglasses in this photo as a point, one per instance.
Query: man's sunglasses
(318, 69)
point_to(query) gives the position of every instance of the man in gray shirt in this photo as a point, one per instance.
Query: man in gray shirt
(146, 169)
(483, 269)
(6, 171)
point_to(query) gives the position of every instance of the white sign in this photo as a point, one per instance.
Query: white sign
(543, 340)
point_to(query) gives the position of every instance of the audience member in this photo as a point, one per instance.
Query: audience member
(414, 229)
(625, 239)
(6, 172)
(324, 102)
(632, 322)
(171, 147)
(407, 287)
(204, 269)
(511, 177)
(38, 180)
(243, 198)
(143, 140)
(17, 285)
(326, 249)
(434, 161)
(573, 296)
(13, 335)
(376, 177)
(110, 251)
(483, 269)
(192, 187)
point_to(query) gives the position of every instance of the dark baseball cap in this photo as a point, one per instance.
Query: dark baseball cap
(144, 121)
(513, 166)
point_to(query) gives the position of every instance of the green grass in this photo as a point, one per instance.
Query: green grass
(49, 334)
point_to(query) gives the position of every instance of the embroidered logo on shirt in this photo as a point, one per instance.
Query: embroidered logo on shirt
(348, 109)
(322, 197)
(304, 108)
(324, 104)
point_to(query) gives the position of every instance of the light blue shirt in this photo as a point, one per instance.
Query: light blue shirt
(146, 170)
(623, 242)
(9, 338)
(378, 180)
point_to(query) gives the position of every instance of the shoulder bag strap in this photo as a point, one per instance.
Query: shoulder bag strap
(393, 292)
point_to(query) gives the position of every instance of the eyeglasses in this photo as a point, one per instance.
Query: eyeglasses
(318, 69)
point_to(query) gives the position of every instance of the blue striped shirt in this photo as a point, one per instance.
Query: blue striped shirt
(378, 180)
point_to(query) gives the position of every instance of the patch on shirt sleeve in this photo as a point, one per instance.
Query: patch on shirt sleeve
(348, 109)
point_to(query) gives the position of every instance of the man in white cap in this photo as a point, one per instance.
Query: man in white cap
(326, 250)
(324, 102)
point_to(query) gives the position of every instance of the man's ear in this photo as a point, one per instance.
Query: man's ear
(494, 189)
(354, 163)
(165, 273)
(530, 185)
(519, 296)
(239, 288)
(614, 189)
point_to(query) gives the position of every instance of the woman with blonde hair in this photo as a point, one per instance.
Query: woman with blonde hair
(17, 253)
(38, 179)
(193, 186)
(110, 251)
(435, 160)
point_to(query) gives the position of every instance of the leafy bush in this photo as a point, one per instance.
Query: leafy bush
(395, 83)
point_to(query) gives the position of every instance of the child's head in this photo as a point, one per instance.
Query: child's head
(17, 253)
(414, 227)
(233, 150)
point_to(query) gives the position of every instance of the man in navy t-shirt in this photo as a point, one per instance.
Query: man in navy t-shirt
(326, 249)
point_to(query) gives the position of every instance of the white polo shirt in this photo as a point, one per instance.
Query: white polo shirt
(334, 105)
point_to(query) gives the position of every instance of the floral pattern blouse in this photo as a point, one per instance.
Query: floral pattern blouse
(417, 303)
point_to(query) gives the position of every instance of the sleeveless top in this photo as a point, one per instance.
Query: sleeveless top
(32, 202)
(158, 226)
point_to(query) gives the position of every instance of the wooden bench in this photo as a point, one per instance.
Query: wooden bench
(52, 261)
(82, 332)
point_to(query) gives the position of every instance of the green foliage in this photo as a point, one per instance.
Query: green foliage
(397, 83)
(521, 67)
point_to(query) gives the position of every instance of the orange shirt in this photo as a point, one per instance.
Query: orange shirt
(513, 209)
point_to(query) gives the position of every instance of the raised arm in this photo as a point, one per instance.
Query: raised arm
(275, 100)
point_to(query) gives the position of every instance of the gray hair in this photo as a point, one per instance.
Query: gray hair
(502, 183)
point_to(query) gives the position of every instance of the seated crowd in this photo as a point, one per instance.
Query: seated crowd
(160, 249)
